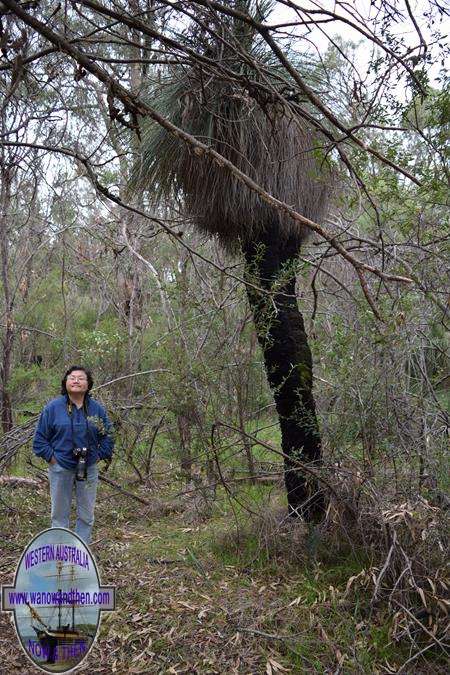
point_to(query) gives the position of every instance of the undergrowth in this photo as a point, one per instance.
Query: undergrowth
(230, 592)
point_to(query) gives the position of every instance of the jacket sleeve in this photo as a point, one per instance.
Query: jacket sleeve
(105, 436)
(41, 443)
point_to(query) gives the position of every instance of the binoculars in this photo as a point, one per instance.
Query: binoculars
(81, 455)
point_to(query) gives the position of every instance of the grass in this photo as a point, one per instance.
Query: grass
(230, 593)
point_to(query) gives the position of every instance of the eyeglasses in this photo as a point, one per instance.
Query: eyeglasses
(77, 379)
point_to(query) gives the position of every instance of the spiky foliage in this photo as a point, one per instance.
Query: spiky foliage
(263, 139)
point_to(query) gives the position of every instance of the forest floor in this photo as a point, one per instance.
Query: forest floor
(193, 597)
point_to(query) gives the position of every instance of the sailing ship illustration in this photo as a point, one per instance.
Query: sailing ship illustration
(69, 639)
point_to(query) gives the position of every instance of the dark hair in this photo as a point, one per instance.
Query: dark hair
(71, 369)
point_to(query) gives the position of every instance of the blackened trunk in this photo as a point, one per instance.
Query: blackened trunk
(281, 333)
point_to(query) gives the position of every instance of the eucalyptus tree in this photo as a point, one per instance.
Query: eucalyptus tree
(280, 152)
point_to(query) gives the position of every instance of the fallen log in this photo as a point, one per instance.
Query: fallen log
(15, 481)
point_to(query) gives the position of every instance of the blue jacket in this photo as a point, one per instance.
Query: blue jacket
(56, 434)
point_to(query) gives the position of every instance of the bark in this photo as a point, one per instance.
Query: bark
(270, 262)
(8, 337)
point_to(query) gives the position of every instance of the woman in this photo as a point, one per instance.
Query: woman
(72, 422)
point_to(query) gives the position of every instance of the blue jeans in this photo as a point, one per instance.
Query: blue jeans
(61, 487)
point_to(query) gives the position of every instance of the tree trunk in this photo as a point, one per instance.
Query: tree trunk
(270, 264)
(8, 337)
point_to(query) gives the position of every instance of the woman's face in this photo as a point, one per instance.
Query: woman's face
(76, 382)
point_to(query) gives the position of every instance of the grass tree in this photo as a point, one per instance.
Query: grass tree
(278, 150)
